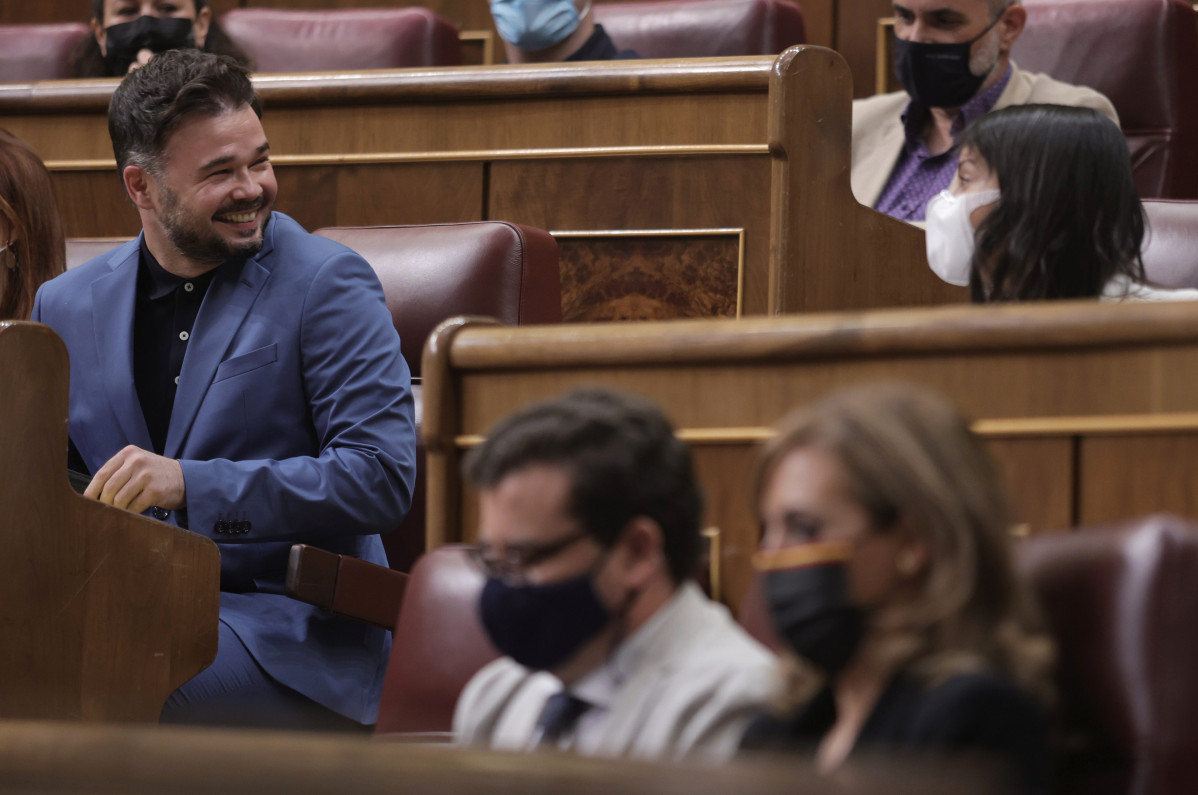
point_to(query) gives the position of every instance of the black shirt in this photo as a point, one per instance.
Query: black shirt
(163, 318)
(969, 713)
(600, 47)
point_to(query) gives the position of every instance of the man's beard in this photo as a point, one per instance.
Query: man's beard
(199, 242)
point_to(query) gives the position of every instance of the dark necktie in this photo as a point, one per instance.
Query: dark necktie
(561, 712)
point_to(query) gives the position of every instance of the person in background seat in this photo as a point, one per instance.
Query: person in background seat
(32, 249)
(589, 535)
(953, 58)
(1043, 206)
(886, 566)
(545, 31)
(127, 33)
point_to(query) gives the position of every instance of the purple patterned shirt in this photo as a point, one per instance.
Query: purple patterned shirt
(919, 175)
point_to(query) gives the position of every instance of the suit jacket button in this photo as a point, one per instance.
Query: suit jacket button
(161, 514)
(221, 526)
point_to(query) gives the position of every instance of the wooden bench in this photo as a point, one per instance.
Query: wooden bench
(697, 188)
(103, 613)
(1091, 410)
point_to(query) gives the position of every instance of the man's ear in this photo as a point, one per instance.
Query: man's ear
(1013, 21)
(200, 28)
(642, 547)
(140, 186)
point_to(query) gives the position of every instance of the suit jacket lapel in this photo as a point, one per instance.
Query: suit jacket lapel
(114, 298)
(227, 302)
(875, 168)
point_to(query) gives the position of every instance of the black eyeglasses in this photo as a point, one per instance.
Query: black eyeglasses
(518, 558)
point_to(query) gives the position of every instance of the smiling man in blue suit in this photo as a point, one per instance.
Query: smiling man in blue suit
(235, 375)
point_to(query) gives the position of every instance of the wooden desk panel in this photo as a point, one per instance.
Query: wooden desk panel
(1045, 385)
(103, 613)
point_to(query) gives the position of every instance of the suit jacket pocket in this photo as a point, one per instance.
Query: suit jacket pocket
(259, 357)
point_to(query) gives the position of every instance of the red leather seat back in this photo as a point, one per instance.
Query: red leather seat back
(1171, 250)
(437, 271)
(354, 38)
(1143, 55)
(1122, 602)
(702, 28)
(438, 644)
(39, 52)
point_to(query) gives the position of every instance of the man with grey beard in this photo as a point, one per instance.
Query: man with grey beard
(234, 375)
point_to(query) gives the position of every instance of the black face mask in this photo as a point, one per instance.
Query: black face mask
(812, 612)
(938, 75)
(542, 626)
(157, 34)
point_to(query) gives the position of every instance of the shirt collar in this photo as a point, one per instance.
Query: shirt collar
(600, 687)
(915, 115)
(154, 281)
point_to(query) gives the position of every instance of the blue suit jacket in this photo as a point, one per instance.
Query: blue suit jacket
(293, 422)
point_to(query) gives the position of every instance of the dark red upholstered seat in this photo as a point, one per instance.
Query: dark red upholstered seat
(434, 272)
(339, 39)
(1143, 55)
(438, 645)
(1122, 603)
(1171, 253)
(39, 52)
(702, 28)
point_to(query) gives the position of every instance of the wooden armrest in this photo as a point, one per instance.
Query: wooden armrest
(345, 585)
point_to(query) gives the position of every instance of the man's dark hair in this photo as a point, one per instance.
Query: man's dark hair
(623, 459)
(1069, 218)
(151, 102)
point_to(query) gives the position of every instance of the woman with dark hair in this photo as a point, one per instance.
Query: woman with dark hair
(126, 33)
(886, 566)
(31, 243)
(1043, 207)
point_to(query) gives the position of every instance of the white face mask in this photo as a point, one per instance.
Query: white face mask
(950, 235)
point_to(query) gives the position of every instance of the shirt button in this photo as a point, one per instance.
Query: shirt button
(176, 380)
(188, 287)
(183, 335)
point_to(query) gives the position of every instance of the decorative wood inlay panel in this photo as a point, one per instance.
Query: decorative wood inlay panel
(658, 275)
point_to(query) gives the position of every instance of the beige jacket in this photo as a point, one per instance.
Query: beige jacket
(878, 124)
(689, 682)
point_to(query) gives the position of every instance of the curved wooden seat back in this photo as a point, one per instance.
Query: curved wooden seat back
(103, 613)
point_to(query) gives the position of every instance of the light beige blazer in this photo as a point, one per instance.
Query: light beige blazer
(878, 124)
(698, 681)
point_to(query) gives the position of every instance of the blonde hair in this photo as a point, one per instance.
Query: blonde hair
(911, 458)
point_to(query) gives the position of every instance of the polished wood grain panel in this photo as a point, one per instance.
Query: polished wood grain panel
(699, 192)
(382, 193)
(649, 277)
(103, 613)
(881, 261)
(1135, 474)
(1041, 477)
(1038, 381)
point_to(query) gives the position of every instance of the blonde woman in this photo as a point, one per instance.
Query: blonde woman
(886, 567)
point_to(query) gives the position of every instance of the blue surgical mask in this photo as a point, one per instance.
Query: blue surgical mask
(542, 626)
(535, 24)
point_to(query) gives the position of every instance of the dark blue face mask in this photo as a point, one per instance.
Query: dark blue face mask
(542, 626)
(938, 75)
(124, 41)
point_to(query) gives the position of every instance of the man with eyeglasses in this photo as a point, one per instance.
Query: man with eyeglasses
(589, 535)
(953, 59)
